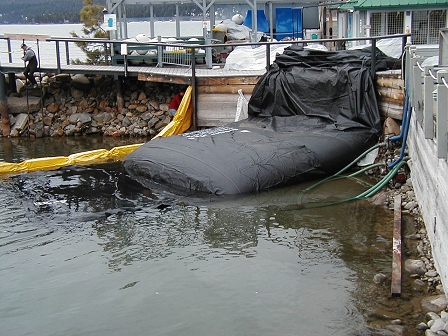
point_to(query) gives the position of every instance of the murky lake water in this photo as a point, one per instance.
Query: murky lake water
(87, 251)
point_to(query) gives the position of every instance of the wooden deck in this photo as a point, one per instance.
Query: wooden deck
(138, 71)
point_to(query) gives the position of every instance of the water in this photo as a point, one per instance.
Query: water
(87, 251)
(47, 50)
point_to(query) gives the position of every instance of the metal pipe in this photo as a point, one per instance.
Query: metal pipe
(194, 118)
(58, 58)
(67, 53)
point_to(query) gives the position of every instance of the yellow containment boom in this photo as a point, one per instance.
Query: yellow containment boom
(180, 123)
(182, 119)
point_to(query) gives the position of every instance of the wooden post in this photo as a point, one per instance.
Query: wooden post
(194, 92)
(120, 99)
(6, 127)
(396, 244)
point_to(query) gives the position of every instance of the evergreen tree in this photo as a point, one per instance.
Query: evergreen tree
(91, 15)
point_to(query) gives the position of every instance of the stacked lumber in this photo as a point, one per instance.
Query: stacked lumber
(218, 98)
(390, 89)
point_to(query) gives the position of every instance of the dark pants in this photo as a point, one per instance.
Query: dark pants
(29, 71)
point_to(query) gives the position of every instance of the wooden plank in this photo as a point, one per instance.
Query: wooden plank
(247, 89)
(164, 79)
(216, 98)
(27, 37)
(390, 83)
(208, 81)
(396, 94)
(391, 110)
(216, 109)
(398, 102)
(396, 253)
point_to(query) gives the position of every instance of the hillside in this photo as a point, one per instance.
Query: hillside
(40, 11)
(45, 11)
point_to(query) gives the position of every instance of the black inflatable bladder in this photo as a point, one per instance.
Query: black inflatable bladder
(310, 115)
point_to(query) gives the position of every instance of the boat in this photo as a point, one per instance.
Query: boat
(310, 115)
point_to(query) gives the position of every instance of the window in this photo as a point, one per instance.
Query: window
(426, 26)
(386, 23)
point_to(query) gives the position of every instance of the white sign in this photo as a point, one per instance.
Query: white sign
(110, 21)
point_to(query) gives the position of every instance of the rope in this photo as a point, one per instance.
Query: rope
(420, 67)
(444, 82)
(431, 74)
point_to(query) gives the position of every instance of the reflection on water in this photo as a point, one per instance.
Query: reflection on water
(88, 251)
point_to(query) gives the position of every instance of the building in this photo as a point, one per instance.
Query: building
(370, 18)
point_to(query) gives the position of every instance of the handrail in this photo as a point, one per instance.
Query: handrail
(108, 43)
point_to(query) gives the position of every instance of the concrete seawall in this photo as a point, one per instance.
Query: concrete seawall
(430, 181)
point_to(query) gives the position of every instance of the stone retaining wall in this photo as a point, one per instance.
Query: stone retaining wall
(73, 105)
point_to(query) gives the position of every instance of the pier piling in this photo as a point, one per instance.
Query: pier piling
(6, 127)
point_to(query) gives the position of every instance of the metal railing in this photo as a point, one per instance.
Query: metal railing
(108, 48)
(427, 86)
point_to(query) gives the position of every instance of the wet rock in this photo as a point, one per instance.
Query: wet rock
(379, 278)
(380, 198)
(415, 266)
(20, 125)
(437, 326)
(434, 303)
(83, 118)
(422, 326)
(411, 205)
(419, 282)
(398, 330)
(444, 316)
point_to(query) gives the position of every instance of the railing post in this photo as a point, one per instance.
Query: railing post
(208, 50)
(4, 110)
(159, 52)
(58, 57)
(124, 52)
(403, 44)
(194, 121)
(417, 88)
(67, 53)
(106, 56)
(9, 50)
(268, 56)
(373, 62)
(442, 103)
(428, 106)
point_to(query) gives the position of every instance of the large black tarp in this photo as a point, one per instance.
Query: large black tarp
(310, 115)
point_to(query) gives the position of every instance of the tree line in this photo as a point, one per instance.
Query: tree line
(45, 11)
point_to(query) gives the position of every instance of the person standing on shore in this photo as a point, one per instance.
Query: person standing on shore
(30, 57)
